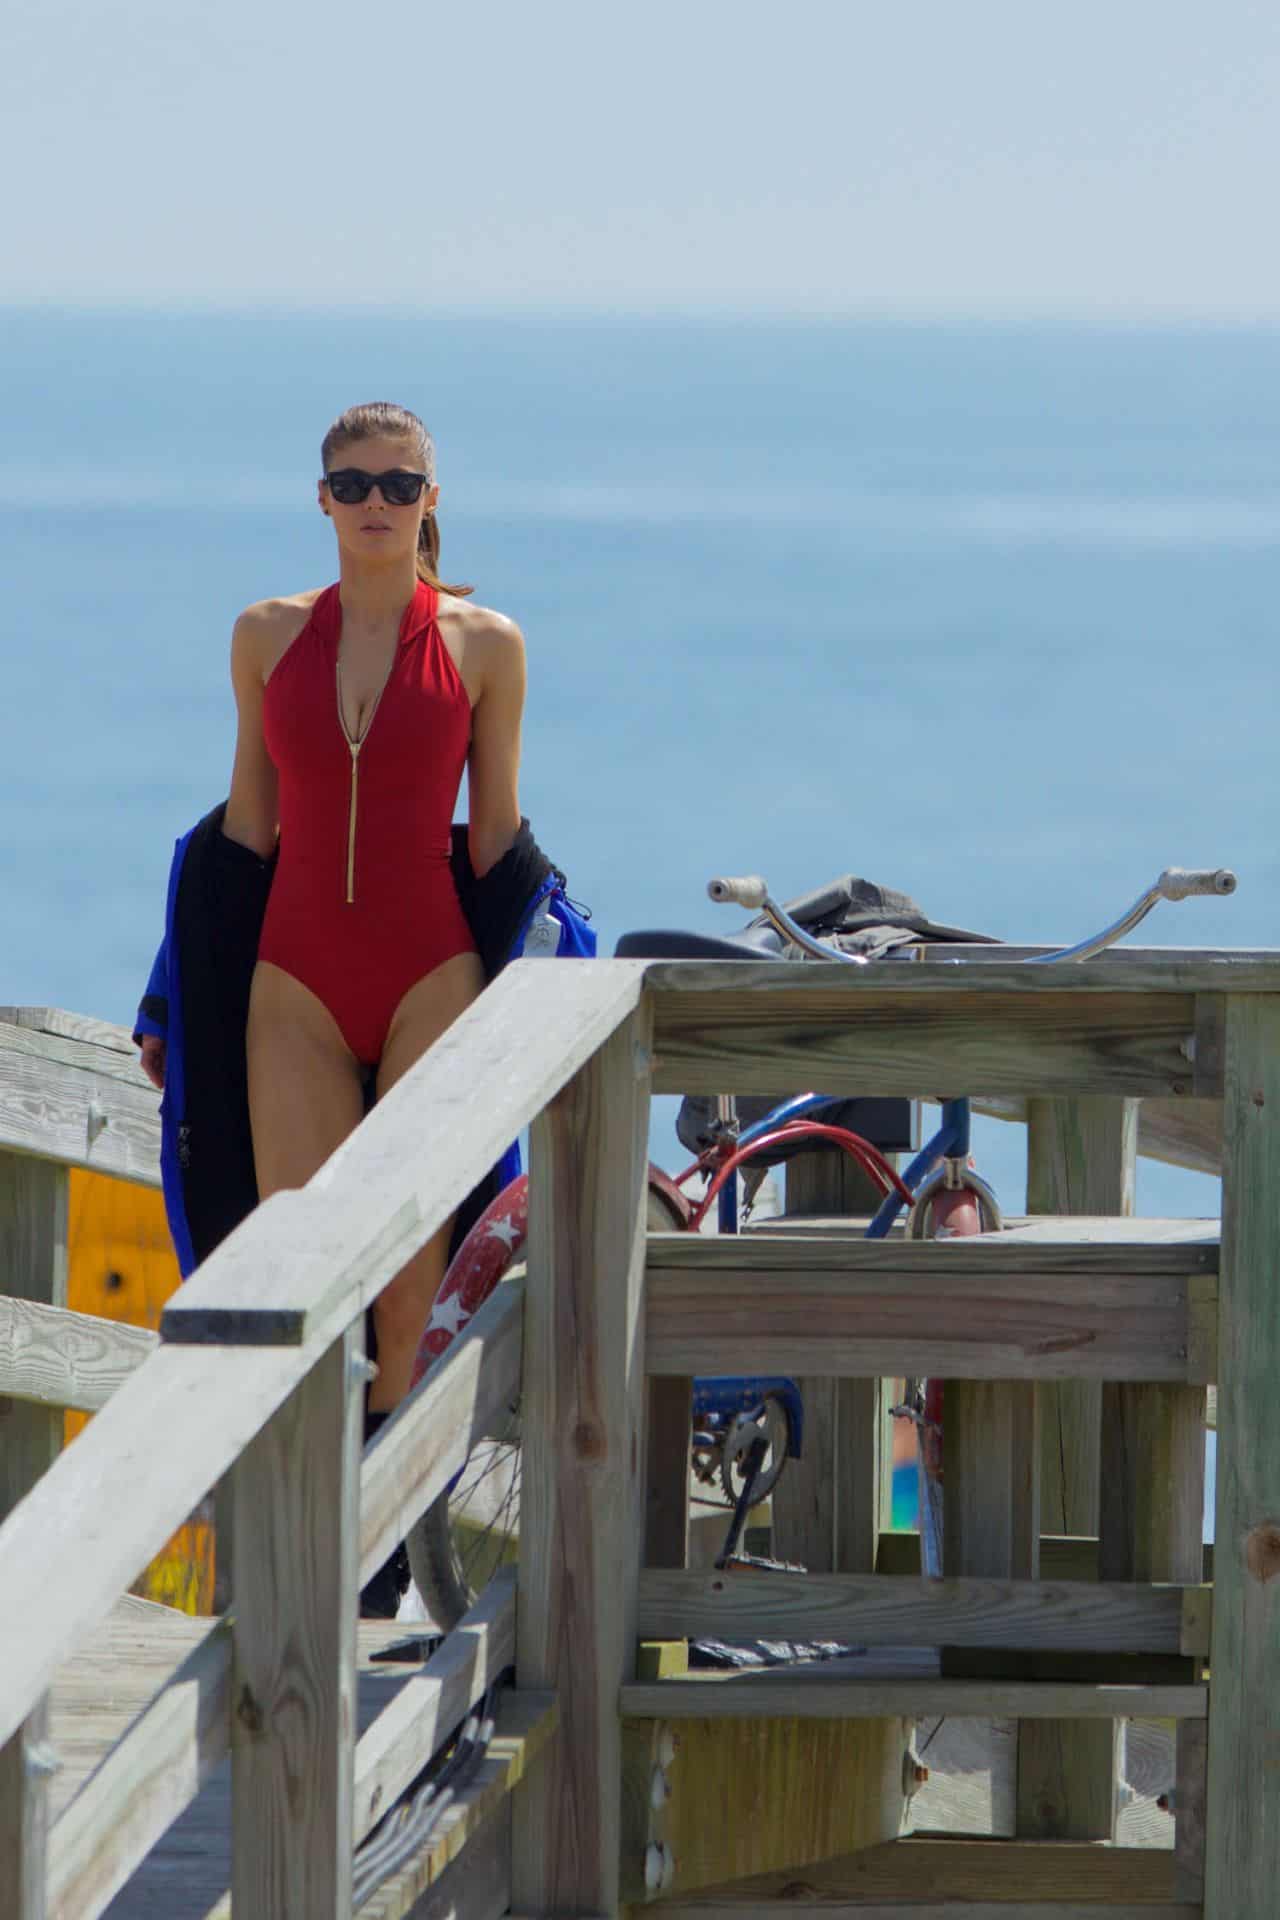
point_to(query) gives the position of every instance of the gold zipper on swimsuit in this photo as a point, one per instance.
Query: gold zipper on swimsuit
(355, 746)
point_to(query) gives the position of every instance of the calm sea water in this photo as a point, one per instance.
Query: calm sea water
(988, 615)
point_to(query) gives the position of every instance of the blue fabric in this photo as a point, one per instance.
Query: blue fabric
(165, 983)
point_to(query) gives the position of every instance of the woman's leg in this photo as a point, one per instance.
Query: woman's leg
(305, 1093)
(402, 1308)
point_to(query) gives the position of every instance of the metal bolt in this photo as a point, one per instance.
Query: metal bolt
(362, 1369)
(659, 1790)
(96, 1121)
(668, 1746)
(40, 1760)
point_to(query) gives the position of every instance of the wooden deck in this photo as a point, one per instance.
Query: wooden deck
(96, 1696)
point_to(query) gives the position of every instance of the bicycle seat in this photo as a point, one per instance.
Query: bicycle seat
(668, 943)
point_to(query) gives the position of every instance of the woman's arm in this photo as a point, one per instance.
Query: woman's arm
(251, 807)
(494, 760)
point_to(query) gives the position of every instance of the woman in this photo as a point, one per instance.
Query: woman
(359, 705)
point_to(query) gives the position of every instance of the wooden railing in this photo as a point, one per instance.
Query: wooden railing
(260, 1356)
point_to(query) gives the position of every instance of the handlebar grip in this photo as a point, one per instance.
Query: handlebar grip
(749, 890)
(1180, 883)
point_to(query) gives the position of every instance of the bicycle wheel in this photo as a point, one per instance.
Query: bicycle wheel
(457, 1545)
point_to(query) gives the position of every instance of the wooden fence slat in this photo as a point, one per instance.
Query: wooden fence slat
(582, 1517)
(999, 1307)
(854, 1032)
(78, 1104)
(332, 1246)
(918, 1869)
(33, 1265)
(886, 1610)
(1242, 1843)
(58, 1358)
(823, 1698)
(26, 1762)
(1081, 1159)
(1181, 1133)
(475, 1886)
(296, 1492)
(413, 1725)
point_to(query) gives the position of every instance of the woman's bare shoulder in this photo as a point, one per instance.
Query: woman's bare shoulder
(482, 627)
(265, 631)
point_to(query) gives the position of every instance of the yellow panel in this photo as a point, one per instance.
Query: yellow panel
(121, 1266)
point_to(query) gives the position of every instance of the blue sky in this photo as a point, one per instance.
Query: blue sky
(1114, 158)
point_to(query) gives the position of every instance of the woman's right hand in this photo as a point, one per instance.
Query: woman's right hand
(153, 1058)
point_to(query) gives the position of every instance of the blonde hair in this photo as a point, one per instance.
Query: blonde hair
(382, 419)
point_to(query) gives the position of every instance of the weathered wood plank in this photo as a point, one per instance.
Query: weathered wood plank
(74, 1545)
(1182, 1133)
(83, 1105)
(524, 1723)
(73, 1026)
(428, 1438)
(1014, 1909)
(33, 1266)
(1081, 1159)
(1135, 971)
(296, 1491)
(1242, 1845)
(913, 1870)
(1153, 1487)
(856, 1033)
(582, 1520)
(1001, 1306)
(26, 1765)
(1190, 1809)
(62, 1359)
(475, 1886)
(413, 1726)
(820, 1697)
(146, 1780)
(879, 1610)
(330, 1247)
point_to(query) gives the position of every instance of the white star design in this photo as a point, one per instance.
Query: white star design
(504, 1230)
(448, 1316)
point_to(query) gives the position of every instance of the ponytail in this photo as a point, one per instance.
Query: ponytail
(429, 556)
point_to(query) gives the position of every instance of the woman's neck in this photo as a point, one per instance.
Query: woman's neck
(372, 595)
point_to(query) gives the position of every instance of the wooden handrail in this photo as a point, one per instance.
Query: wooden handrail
(61, 1358)
(310, 1260)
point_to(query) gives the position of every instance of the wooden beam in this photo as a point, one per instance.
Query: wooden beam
(146, 1780)
(475, 1886)
(414, 1724)
(1242, 1844)
(1016, 1305)
(1181, 1133)
(296, 1489)
(57, 1358)
(879, 1610)
(1081, 1159)
(748, 1032)
(582, 1521)
(668, 1425)
(915, 1869)
(78, 1103)
(330, 1247)
(33, 1267)
(1135, 972)
(820, 1697)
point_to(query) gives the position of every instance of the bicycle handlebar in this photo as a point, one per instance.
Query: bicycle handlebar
(748, 890)
(1180, 883)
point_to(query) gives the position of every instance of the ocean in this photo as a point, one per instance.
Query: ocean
(985, 613)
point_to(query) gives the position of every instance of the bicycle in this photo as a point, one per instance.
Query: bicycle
(745, 1427)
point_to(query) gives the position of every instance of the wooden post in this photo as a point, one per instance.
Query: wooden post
(33, 1266)
(1242, 1839)
(296, 1491)
(582, 1518)
(1081, 1159)
(826, 1506)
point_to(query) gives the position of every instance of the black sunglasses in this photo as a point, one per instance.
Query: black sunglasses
(399, 488)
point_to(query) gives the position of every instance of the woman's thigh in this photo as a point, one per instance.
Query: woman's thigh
(430, 1006)
(305, 1089)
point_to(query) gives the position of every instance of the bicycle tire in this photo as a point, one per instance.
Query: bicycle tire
(465, 1535)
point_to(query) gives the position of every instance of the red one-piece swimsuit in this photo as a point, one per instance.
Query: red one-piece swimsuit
(363, 903)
